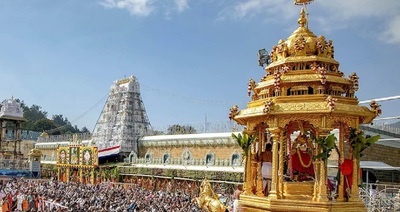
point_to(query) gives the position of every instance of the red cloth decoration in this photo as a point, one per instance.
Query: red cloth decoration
(347, 167)
(305, 157)
(347, 170)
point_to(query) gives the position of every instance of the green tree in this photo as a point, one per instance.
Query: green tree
(85, 130)
(32, 114)
(59, 120)
(44, 125)
(178, 129)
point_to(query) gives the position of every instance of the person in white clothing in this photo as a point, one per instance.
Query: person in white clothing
(20, 199)
(236, 197)
(266, 169)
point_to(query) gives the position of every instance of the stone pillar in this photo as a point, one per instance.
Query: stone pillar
(3, 130)
(15, 132)
(274, 193)
(18, 138)
(1, 133)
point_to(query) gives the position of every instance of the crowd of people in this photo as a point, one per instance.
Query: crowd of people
(38, 195)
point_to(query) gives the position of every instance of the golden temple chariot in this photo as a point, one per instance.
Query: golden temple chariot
(294, 109)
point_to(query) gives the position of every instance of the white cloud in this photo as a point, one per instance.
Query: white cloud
(135, 7)
(266, 8)
(350, 12)
(345, 10)
(392, 33)
(329, 14)
(146, 7)
(181, 5)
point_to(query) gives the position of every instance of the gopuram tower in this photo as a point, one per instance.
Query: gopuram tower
(123, 120)
(293, 110)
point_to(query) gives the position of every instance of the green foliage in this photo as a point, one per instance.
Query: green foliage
(360, 141)
(115, 173)
(43, 125)
(326, 145)
(84, 130)
(178, 129)
(37, 121)
(32, 115)
(244, 141)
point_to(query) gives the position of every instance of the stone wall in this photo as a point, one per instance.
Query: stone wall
(197, 152)
(388, 155)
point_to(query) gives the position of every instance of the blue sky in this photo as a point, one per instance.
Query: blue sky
(193, 58)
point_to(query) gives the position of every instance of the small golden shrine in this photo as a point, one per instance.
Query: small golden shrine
(76, 162)
(303, 98)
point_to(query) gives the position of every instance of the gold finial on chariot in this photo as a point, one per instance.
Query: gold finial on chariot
(303, 19)
(302, 2)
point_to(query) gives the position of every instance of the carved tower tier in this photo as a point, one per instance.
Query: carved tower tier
(123, 119)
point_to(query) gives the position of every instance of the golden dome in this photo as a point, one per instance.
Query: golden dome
(302, 42)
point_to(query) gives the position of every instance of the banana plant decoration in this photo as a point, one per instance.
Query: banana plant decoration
(360, 141)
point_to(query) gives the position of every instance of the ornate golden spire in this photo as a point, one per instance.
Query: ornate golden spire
(303, 19)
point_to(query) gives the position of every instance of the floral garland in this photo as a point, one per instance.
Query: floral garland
(375, 107)
(300, 43)
(268, 106)
(321, 71)
(284, 69)
(302, 162)
(354, 79)
(250, 86)
(331, 102)
(322, 45)
(277, 81)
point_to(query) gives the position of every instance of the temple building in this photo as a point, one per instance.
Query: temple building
(11, 118)
(123, 130)
(122, 121)
(296, 109)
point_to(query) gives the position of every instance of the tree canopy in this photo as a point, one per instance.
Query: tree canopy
(37, 121)
(178, 129)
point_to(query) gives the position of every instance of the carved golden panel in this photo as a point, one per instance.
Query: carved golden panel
(300, 107)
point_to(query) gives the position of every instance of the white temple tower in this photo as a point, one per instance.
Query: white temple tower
(123, 119)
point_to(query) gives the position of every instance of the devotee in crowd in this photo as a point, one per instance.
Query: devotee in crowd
(38, 195)
(236, 197)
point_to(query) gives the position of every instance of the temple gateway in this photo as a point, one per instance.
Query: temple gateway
(292, 114)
